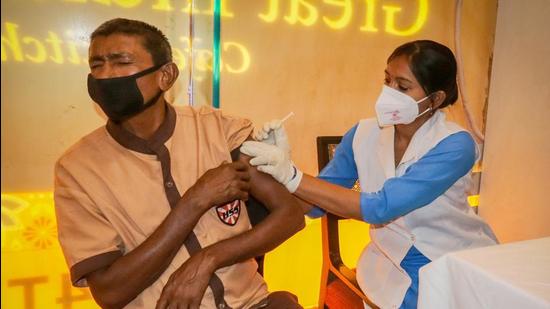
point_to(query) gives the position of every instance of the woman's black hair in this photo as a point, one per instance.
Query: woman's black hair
(433, 65)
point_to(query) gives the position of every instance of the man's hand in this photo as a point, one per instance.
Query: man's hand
(221, 185)
(186, 286)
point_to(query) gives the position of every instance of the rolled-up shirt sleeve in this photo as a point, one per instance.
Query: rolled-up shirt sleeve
(423, 181)
(341, 170)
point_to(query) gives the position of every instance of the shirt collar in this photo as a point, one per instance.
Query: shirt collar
(147, 146)
(424, 134)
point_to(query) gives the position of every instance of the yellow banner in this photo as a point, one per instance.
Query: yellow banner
(34, 273)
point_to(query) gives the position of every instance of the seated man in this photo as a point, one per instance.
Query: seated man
(149, 212)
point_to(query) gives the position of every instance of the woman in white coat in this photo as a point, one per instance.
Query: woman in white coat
(414, 171)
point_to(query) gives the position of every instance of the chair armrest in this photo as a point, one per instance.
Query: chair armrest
(348, 277)
(349, 274)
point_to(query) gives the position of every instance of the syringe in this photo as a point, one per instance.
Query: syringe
(287, 116)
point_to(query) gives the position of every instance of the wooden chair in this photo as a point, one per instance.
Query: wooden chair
(339, 288)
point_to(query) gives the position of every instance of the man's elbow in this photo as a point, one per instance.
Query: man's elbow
(109, 299)
(297, 219)
(290, 216)
(108, 304)
(302, 224)
(106, 295)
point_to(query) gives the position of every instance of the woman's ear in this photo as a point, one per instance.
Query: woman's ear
(169, 75)
(438, 98)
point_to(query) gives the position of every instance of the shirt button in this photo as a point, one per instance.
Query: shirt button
(413, 238)
(169, 184)
(221, 306)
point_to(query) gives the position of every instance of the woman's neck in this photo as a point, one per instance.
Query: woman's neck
(405, 132)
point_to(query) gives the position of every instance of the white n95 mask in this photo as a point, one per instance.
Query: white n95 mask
(395, 107)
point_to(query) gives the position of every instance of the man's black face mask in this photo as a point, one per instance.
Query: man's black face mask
(120, 97)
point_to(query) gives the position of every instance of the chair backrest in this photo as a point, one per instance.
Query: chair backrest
(334, 268)
(326, 145)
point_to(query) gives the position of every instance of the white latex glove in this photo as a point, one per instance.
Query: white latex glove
(275, 161)
(273, 133)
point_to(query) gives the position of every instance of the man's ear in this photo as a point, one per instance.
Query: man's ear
(169, 74)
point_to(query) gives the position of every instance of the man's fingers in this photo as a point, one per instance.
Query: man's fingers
(239, 166)
(194, 304)
(162, 303)
(184, 305)
(243, 196)
(236, 191)
(244, 176)
(236, 165)
(178, 304)
(244, 186)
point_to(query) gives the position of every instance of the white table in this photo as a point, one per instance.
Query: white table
(514, 275)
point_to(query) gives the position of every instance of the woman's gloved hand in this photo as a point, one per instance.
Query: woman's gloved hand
(275, 161)
(273, 133)
(271, 154)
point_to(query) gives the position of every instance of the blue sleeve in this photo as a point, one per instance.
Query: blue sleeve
(423, 181)
(341, 170)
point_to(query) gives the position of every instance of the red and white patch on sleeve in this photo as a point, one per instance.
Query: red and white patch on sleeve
(229, 213)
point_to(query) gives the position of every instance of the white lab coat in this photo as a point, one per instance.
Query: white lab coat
(446, 224)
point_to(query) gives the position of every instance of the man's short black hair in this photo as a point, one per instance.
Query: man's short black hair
(154, 41)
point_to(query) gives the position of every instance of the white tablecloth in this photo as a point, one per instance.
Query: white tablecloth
(514, 275)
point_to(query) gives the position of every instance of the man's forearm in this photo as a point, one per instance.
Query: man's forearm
(187, 284)
(285, 219)
(264, 237)
(116, 285)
